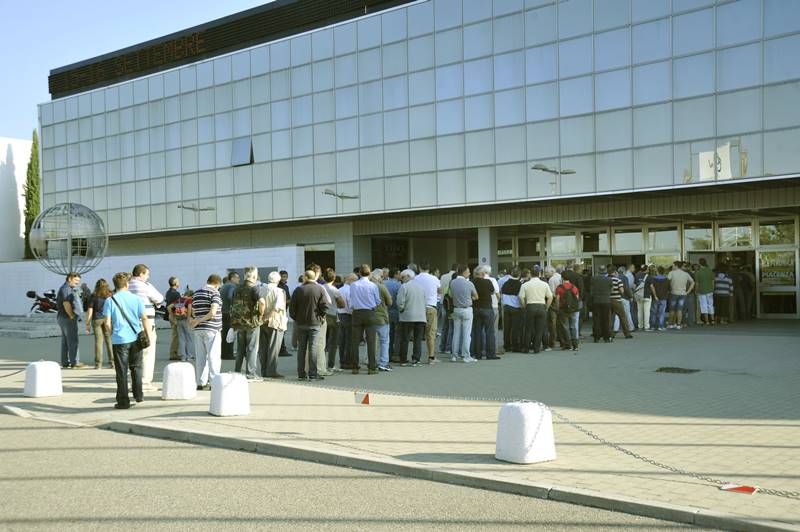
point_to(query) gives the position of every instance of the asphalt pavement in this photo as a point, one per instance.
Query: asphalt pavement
(55, 477)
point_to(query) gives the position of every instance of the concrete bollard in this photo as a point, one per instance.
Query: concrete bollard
(230, 395)
(525, 433)
(43, 379)
(179, 381)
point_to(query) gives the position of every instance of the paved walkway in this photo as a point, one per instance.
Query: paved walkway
(736, 420)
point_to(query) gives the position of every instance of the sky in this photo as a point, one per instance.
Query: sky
(39, 35)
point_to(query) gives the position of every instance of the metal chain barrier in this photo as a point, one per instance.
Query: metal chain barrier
(11, 374)
(777, 493)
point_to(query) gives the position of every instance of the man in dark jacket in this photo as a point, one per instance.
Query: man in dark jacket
(601, 305)
(308, 308)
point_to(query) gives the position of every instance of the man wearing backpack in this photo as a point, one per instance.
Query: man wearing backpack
(569, 303)
(247, 307)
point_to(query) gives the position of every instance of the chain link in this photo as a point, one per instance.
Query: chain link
(590, 434)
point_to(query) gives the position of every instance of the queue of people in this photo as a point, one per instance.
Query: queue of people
(459, 314)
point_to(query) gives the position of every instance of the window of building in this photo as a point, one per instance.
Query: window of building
(529, 246)
(663, 239)
(563, 244)
(595, 241)
(735, 235)
(776, 233)
(698, 237)
(628, 241)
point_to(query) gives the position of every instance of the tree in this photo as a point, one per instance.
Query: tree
(31, 193)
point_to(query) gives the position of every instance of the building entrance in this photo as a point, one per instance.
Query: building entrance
(322, 254)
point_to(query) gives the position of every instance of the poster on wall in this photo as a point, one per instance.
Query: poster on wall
(777, 268)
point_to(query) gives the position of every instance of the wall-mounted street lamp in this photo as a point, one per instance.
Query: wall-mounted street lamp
(340, 195)
(556, 173)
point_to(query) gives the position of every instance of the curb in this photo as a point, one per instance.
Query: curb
(20, 412)
(392, 466)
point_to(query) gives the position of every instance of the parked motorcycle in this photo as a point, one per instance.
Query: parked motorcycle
(42, 304)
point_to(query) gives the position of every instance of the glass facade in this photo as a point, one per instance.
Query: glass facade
(443, 102)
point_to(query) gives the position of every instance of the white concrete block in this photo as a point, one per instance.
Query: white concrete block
(179, 381)
(230, 395)
(525, 434)
(43, 379)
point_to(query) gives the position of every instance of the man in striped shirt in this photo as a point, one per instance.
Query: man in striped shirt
(139, 286)
(206, 309)
(617, 308)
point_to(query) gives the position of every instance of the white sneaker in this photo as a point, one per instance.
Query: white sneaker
(453, 358)
(467, 360)
(677, 327)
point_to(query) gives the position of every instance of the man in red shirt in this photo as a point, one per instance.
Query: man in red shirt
(569, 300)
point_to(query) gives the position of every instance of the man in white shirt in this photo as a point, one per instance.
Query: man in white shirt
(140, 286)
(432, 290)
(536, 297)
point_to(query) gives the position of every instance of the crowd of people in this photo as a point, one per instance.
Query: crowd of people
(458, 314)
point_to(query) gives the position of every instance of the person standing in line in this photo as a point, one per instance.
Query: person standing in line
(626, 296)
(680, 284)
(69, 305)
(512, 312)
(536, 297)
(705, 292)
(573, 275)
(382, 320)
(632, 312)
(126, 316)
(95, 323)
(485, 332)
(273, 326)
(646, 308)
(140, 286)
(463, 293)
(332, 319)
(554, 280)
(284, 285)
(392, 284)
(433, 288)
(308, 308)
(205, 322)
(641, 298)
(247, 307)
(179, 313)
(411, 302)
(364, 299)
(723, 292)
(173, 295)
(568, 298)
(619, 310)
(320, 345)
(226, 292)
(601, 285)
(445, 320)
(659, 289)
(345, 322)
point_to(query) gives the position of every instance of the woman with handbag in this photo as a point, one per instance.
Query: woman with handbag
(126, 318)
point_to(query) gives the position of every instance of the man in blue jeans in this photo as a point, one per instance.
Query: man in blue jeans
(69, 312)
(126, 317)
(485, 315)
(308, 309)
